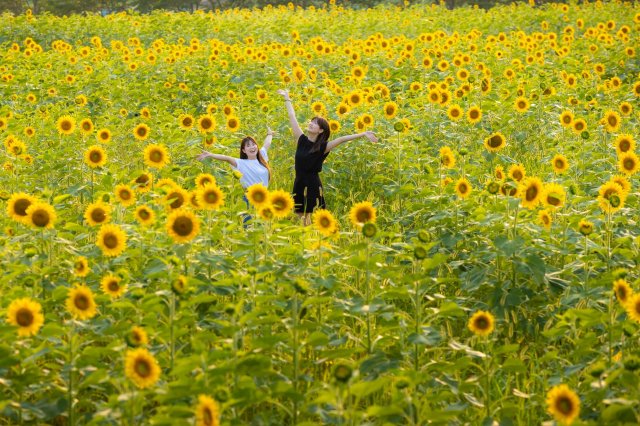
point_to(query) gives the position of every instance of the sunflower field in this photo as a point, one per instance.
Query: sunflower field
(478, 265)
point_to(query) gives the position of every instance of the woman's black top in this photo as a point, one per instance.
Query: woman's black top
(307, 162)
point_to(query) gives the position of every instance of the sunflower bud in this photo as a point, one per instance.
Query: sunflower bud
(424, 236)
(493, 187)
(632, 363)
(419, 252)
(398, 126)
(342, 372)
(369, 230)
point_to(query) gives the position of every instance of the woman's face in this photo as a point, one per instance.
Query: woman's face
(251, 149)
(314, 128)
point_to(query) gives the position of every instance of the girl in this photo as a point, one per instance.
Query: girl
(313, 147)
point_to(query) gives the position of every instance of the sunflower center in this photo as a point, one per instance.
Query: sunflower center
(98, 215)
(24, 317)
(579, 125)
(142, 368)
(207, 416)
(612, 120)
(81, 302)
(622, 293)
(559, 164)
(532, 193)
(259, 197)
(178, 200)
(455, 113)
(553, 200)
(187, 122)
(65, 125)
(278, 204)
(629, 164)
(624, 145)
(564, 405)
(104, 136)
(113, 285)
(325, 222)
(462, 188)
(95, 157)
(20, 207)
(183, 226)
(495, 141)
(142, 131)
(143, 214)
(156, 156)
(211, 197)
(79, 266)
(110, 241)
(40, 218)
(125, 195)
(205, 181)
(473, 114)
(206, 124)
(482, 323)
(143, 179)
(363, 216)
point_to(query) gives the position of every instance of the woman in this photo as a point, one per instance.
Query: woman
(313, 147)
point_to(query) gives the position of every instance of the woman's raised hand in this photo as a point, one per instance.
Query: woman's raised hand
(270, 132)
(284, 93)
(371, 136)
(202, 156)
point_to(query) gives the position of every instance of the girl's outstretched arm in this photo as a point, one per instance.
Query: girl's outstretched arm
(293, 121)
(267, 140)
(226, 158)
(334, 143)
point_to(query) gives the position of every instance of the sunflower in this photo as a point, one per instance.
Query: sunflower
(176, 198)
(454, 112)
(481, 323)
(137, 336)
(281, 203)
(258, 195)
(145, 215)
(521, 104)
(622, 290)
(86, 126)
(206, 123)
(434, 96)
(29, 131)
(625, 108)
(611, 197)
(227, 110)
(334, 126)
(166, 184)
(530, 192)
(180, 285)
(499, 173)
(66, 125)
(186, 121)
(103, 136)
(474, 115)
(182, 226)
(463, 188)
(80, 303)
(156, 156)
(204, 179)
(26, 314)
(495, 142)
(559, 163)
(545, 218)
(143, 182)
(633, 307)
(563, 404)
(585, 227)
(41, 215)
(362, 213)
(111, 285)
(207, 412)
(354, 98)
(628, 163)
(81, 267)
(624, 143)
(623, 182)
(517, 172)
(342, 109)
(95, 156)
(97, 213)
(553, 195)
(17, 206)
(210, 197)
(324, 222)
(141, 132)
(141, 367)
(111, 239)
(579, 126)
(447, 159)
(266, 212)
(233, 123)
(125, 195)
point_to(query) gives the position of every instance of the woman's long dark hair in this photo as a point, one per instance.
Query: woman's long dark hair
(322, 137)
(261, 159)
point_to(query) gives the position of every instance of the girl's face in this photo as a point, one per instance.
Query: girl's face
(251, 149)
(314, 128)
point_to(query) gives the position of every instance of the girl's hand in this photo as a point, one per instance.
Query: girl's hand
(203, 156)
(284, 93)
(270, 132)
(371, 136)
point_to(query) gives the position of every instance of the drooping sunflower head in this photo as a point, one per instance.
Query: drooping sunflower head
(210, 197)
(141, 132)
(324, 222)
(95, 156)
(179, 285)
(633, 307)
(362, 213)
(25, 314)
(447, 159)
(80, 302)
(585, 227)
(156, 156)
(622, 290)
(207, 411)
(143, 182)
(499, 173)
(495, 142)
(97, 213)
(81, 267)
(530, 191)
(41, 215)
(111, 239)
(17, 206)
(481, 323)
(142, 368)
(258, 195)
(182, 226)
(563, 404)
(281, 202)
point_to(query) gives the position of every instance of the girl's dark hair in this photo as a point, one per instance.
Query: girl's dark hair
(322, 137)
(261, 159)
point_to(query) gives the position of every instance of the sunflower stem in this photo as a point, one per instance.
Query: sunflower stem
(368, 298)
(71, 363)
(294, 325)
(172, 308)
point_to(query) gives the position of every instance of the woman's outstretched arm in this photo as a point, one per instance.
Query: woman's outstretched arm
(293, 121)
(334, 143)
(219, 157)
(267, 140)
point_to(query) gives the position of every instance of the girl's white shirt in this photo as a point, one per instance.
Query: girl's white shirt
(252, 171)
